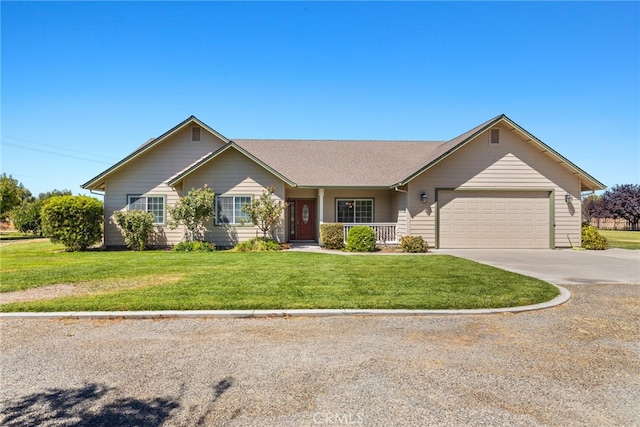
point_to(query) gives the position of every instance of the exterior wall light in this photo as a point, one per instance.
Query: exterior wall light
(568, 198)
(423, 197)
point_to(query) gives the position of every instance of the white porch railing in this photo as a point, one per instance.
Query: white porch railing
(385, 231)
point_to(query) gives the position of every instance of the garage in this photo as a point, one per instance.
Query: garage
(493, 219)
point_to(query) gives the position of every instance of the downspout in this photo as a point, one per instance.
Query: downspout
(97, 194)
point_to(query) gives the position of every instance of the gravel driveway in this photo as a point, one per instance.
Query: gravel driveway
(576, 364)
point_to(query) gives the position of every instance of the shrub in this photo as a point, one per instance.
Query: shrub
(332, 235)
(258, 244)
(136, 226)
(591, 239)
(195, 246)
(26, 217)
(413, 244)
(74, 221)
(361, 238)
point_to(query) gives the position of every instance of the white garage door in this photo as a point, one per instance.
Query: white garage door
(493, 219)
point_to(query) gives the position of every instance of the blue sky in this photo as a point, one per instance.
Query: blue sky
(85, 83)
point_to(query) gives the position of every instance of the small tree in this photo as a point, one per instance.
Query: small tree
(12, 194)
(136, 226)
(74, 221)
(265, 212)
(623, 201)
(192, 211)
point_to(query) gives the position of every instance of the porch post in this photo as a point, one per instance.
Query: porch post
(321, 211)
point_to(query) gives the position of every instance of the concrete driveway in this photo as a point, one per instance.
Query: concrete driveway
(560, 266)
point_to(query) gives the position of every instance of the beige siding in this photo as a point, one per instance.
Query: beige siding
(233, 174)
(512, 164)
(147, 174)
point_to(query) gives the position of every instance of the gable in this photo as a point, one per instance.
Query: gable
(508, 129)
(513, 162)
(165, 155)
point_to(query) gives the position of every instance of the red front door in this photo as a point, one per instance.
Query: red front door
(304, 228)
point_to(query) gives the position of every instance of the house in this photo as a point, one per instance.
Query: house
(494, 186)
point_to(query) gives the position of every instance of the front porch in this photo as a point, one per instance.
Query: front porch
(382, 209)
(386, 232)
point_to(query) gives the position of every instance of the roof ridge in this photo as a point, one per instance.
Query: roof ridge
(338, 140)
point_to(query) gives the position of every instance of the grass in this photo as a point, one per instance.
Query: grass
(622, 239)
(15, 235)
(159, 280)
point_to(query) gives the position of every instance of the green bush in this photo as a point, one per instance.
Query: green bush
(74, 221)
(195, 246)
(413, 244)
(136, 226)
(361, 238)
(26, 217)
(332, 235)
(258, 244)
(591, 239)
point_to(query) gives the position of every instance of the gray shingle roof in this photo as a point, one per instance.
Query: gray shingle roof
(312, 163)
(332, 163)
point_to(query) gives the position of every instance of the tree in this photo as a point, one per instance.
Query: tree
(192, 211)
(12, 193)
(265, 212)
(622, 201)
(74, 221)
(590, 207)
(26, 217)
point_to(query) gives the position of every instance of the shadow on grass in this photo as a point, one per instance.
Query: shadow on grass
(83, 407)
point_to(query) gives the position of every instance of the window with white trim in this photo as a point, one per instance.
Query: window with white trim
(354, 210)
(152, 204)
(229, 209)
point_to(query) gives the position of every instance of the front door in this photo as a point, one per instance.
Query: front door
(304, 214)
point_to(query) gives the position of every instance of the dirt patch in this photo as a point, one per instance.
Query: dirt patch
(84, 288)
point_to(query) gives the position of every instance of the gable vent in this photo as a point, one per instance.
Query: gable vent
(495, 136)
(195, 134)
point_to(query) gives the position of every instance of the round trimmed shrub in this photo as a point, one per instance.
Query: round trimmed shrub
(593, 240)
(413, 244)
(361, 238)
(332, 235)
(74, 221)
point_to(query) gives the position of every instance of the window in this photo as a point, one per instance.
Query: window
(152, 204)
(195, 134)
(229, 209)
(354, 210)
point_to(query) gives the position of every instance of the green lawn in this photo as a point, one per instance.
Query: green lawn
(160, 280)
(622, 239)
